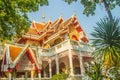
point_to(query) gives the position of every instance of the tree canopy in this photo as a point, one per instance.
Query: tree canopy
(90, 5)
(13, 16)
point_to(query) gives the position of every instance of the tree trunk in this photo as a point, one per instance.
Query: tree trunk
(107, 9)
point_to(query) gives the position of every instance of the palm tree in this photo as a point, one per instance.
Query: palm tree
(107, 7)
(107, 42)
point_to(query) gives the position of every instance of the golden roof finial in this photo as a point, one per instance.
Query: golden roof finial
(43, 17)
(50, 18)
(61, 14)
(33, 20)
(74, 12)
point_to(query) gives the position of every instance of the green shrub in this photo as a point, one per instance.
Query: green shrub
(61, 76)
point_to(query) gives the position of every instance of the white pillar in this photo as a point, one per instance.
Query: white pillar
(10, 76)
(57, 63)
(70, 60)
(81, 64)
(39, 74)
(50, 69)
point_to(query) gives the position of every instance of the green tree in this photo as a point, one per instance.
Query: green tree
(106, 40)
(90, 5)
(13, 16)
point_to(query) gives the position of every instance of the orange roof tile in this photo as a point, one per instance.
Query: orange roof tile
(47, 25)
(54, 23)
(39, 26)
(14, 52)
(36, 28)
(32, 31)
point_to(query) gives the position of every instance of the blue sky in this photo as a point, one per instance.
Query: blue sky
(59, 7)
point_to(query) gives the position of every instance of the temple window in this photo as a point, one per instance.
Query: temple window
(57, 41)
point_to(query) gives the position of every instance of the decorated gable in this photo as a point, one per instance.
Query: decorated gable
(25, 63)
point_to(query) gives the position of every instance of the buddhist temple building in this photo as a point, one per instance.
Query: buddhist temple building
(48, 48)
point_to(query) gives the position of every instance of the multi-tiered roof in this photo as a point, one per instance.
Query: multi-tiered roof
(47, 33)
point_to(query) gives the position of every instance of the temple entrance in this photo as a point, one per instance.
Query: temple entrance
(46, 74)
(76, 65)
(86, 60)
(42, 72)
(54, 71)
(62, 68)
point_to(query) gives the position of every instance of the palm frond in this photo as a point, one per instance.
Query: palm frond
(106, 40)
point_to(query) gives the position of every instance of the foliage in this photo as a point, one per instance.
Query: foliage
(90, 5)
(70, 1)
(114, 73)
(61, 76)
(107, 36)
(13, 16)
(94, 71)
(106, 41)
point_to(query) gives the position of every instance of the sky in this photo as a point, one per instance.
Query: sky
(56, 8)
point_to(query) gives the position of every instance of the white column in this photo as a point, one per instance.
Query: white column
(50, 69)
(81, 64)
(57, 63)
(10, 76)
(39, 74)
(70, 60)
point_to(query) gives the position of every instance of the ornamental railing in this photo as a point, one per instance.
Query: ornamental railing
(68, 44)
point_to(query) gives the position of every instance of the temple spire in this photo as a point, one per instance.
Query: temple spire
(74, 12)
(43, 17)
(33, 20)
(50, 18)
(61, 14)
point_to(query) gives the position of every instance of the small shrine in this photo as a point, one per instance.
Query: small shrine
(19, 61)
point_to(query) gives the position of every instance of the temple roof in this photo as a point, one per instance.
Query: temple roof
(36, 28)
(14, 51)
(39, 31)
(39, 26)
(32, 31)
